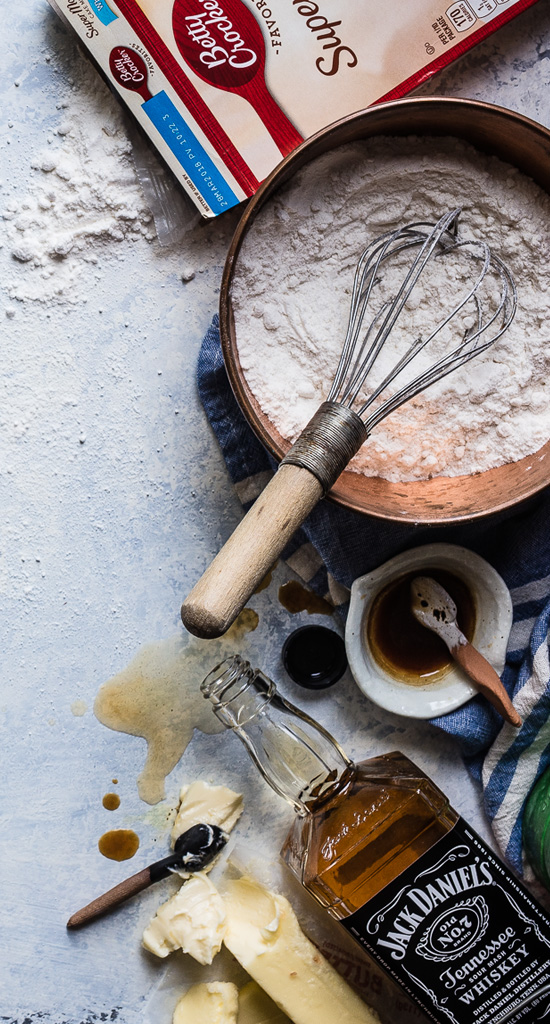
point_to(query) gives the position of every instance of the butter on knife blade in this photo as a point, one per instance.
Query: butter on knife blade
(263, 934)
(200, 801)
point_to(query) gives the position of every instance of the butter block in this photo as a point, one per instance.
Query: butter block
(263, 934)
(212, 1002)
(192, 920)
(214, 805)
(256, 1007)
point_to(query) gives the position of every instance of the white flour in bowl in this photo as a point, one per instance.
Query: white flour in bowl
(292, 287)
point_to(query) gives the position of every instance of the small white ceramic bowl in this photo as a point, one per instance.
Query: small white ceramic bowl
(451, 688)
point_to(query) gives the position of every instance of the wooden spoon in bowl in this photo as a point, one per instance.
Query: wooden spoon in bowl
(433, 607)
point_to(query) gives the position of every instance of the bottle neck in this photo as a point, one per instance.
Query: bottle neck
(300, 760)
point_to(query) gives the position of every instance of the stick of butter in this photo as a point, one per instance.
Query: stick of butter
(192, 920)
(215, 805)
(263, 934)
(256, 1007)
(212, 1002)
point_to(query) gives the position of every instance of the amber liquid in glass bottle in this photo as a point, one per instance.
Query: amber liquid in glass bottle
(379, 846)
(380, 818)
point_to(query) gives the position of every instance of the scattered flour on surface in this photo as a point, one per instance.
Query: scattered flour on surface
(293, 282)
(83, 197)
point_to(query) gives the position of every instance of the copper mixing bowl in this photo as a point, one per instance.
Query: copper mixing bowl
(442, 500)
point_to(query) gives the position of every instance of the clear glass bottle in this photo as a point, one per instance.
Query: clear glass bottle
(379, 846)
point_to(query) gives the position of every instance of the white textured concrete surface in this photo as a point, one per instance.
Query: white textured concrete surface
(114, 496)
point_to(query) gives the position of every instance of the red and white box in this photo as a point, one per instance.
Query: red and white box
(226, 88)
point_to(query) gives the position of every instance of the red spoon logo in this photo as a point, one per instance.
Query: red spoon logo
(129, 69)
(224, 45)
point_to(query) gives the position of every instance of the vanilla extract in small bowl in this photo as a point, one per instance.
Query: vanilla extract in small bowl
(404, 667)
(403, 646)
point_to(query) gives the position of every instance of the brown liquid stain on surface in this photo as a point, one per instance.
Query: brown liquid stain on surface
(118, 844)
(158, 697)
(263, 585)
(111, 801)
(296, 598)
(245, 623)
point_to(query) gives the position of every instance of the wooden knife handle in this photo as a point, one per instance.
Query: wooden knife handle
(118, 894)
(488, 681)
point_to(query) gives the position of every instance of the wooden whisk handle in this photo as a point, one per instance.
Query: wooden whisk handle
(225, 587)
(322, 451)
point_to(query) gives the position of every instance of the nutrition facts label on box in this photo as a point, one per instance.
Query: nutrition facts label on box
(226, 88)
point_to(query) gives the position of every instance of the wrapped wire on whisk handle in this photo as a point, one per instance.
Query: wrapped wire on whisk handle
(329, 441)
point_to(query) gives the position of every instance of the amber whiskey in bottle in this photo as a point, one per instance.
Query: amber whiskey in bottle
(379, 846)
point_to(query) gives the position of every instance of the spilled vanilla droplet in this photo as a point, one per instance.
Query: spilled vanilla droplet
(79, 708)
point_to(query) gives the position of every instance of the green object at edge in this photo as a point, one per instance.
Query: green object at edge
(536, 828)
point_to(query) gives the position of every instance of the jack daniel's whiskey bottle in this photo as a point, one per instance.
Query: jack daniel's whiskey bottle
(378, 845)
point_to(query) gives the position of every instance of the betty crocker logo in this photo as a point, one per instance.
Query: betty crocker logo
(129, 69)
(223, 44)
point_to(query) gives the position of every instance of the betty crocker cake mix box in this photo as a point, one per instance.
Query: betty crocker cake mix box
(226, 88)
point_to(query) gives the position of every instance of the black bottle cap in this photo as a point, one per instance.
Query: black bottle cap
(314, 657)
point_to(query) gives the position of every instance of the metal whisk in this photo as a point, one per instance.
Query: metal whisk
(343, 422)
(319, 447)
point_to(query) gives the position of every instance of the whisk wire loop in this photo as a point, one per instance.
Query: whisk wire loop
(460, 355)
(385, 247)
(421, 343)
(362, 346)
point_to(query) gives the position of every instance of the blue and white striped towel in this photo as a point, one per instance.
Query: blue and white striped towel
(335, 546)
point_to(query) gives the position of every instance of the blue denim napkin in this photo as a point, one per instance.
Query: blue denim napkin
(335, 546)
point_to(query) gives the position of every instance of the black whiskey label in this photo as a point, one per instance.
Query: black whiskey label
(461, 935)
